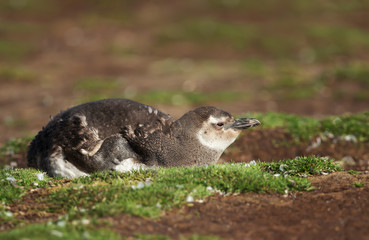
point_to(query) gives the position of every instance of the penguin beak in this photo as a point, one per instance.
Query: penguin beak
(243, 123)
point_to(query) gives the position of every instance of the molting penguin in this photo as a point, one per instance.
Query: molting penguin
(124, 135)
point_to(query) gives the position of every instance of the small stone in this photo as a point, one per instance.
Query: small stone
(252, 163)
(281, 167)
(190, 199)
(350, 138)
(148, 182)
(11, 179)
(86, 235)
(209, 188)
(85, 221)
(61, 223)
(56, 233)
(9, 214)
(40, 176)
(348, 161)
(140, 185)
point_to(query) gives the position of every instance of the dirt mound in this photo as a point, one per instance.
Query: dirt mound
(276, 144)
(335, 210)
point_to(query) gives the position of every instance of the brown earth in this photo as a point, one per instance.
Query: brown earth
(336, 209)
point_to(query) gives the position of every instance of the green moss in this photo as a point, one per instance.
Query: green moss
(51, 231)
(149, 193)
(301, 166)
(353, 172)
(79, 231)
(15, 183)
(304, 128)
(355, 124)
(358, 184)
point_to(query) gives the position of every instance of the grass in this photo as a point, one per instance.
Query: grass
(94, 88)
(145, 193)
(15, 183)
(209, 31)
(355, 125)
(11, 50)
(189, 98)
(16, 74)
(358, 184)
(301, 166)
(160, 190)
(348, 41)
(304, 128)
(74, 232)
(354, 71)
(96, 84)
(14, 146)
(150, 193)
(353, 172)
(51, 231)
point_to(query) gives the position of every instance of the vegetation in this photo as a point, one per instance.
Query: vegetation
(358, 184)
(301, 166)
(68, 231)
(354, 126)
(151, 192)
(15, 145)
(188, 97)
(15, 183)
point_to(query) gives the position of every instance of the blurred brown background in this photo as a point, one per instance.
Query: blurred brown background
(302, 57)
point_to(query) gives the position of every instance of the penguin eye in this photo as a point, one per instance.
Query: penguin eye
(220, 124)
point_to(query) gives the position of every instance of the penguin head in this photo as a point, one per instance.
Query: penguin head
(215, 128)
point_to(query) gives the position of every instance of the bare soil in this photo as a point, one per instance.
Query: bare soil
(335, 210)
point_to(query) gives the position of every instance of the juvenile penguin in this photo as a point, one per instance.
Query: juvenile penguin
(123, 135)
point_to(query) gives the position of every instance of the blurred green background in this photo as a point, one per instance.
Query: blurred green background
(307, 57)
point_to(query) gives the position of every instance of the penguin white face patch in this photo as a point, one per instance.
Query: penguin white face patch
(215, 138)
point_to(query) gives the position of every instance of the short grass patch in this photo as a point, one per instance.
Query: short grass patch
(149, 193)
(52, 231)
(350, 126)
(63, 230)
(358, 184)
(15, 183)
(14, 146)
(301, 166)
(16, 74)
(188, 97)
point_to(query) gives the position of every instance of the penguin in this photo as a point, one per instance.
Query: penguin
(124, 135)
